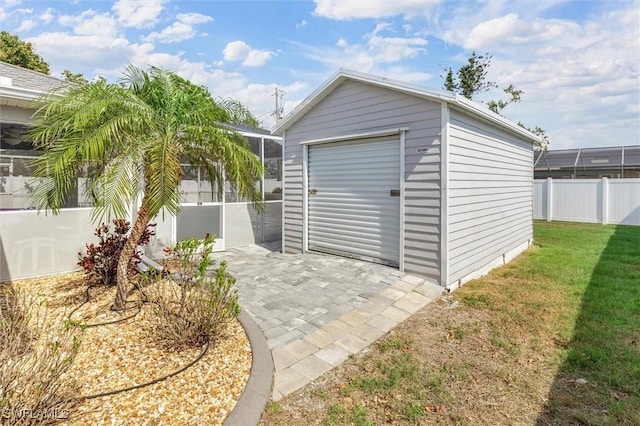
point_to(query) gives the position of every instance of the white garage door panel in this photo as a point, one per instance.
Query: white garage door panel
(352, 211)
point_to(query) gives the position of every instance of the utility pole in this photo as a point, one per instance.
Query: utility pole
(279, 94)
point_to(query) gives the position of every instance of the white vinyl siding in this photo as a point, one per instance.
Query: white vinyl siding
(422, 194)
(351, 210)
(355, 107)
(293, 221)
(490, 194)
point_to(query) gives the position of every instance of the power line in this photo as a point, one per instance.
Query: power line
(279, 111)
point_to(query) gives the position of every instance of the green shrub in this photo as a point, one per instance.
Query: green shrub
(192, 307)
(100, 261)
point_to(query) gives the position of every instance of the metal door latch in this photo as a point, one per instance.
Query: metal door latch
(394, 193)
(313, 191)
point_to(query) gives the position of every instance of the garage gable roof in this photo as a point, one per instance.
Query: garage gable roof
(437, 95)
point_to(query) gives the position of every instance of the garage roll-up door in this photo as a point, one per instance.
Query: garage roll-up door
(354, 199)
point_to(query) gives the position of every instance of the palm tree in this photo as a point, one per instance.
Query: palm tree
(132, 136)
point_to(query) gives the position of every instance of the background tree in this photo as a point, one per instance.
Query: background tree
(471, 80)
(73, 78)
(20, 53)
(135, 134)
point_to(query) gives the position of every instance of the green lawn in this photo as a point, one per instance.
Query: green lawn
(597, 267)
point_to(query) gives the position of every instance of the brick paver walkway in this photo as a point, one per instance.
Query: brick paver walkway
(315, 310)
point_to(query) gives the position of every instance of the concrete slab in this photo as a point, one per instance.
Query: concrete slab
(396, 314)
(393, 293)
(312, 367)
(382, 323)
(289, 380)
(299, 349)
(282, 359)
(332, 354)
(320, 338)
(406, 304)
(351, 343)
(368, 333)
(403, 286)
(354, 318)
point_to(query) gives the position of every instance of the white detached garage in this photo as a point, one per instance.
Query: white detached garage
(420, 179)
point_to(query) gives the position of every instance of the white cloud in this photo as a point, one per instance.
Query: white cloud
(581, 89)
(258, 97)
(371, 55)
(91, 23)
(47, 16)
(138, 13)
(194, 18)
(102, 55)
(236, 51)
(6, 11)
(240, 51)
(580, 75)
(343, 10)
(260, 101)
(511, 30)
(180, 30)
(257, 58)
(26, 25)
(301, 24)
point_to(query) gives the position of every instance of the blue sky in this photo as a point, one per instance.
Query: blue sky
(578, 62)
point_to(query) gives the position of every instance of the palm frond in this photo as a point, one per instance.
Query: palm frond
(162, 178)
(116, 184)
(236, 113)
(139, 129)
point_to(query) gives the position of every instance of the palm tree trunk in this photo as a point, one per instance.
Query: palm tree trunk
(122, 271)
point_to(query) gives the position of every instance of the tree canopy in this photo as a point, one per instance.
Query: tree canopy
(471, 80)
(134, 134)
(78, 78)
(20, 53)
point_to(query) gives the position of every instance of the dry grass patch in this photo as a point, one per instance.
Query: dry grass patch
(444, 365)
(551, 338)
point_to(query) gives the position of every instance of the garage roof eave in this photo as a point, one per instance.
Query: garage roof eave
(480, 110)
(438, 95)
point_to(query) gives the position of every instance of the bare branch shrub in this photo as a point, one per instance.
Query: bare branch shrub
(191, 308)
(35, 352)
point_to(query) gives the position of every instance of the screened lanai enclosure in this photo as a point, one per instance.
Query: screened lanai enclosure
(232, 219)
(588, 163)
(33, 243)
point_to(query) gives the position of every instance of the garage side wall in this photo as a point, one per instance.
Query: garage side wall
(355, 107)
(490, 197)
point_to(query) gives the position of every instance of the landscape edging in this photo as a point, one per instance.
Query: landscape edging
(257, 392)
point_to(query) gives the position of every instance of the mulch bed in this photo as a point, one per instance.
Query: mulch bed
(123, 354)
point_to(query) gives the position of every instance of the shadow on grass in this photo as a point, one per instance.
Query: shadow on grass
(605, 347)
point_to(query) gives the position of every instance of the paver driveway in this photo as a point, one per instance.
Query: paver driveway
(315, 310)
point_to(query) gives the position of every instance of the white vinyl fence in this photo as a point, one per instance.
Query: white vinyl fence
(615, 201)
